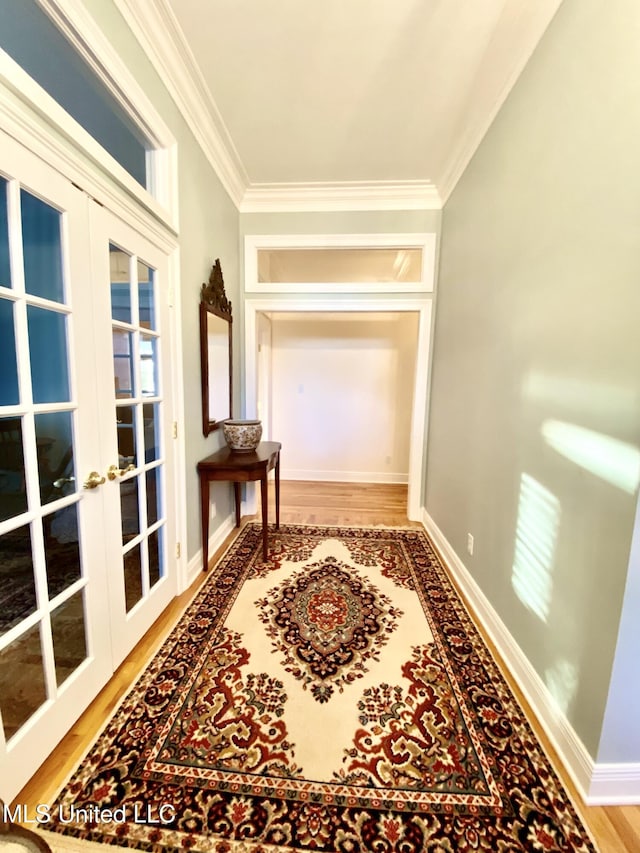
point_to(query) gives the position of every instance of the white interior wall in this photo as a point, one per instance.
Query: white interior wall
(342, 394)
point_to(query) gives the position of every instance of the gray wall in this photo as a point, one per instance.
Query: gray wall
(208, 230)
(343, 222)
(535, 400)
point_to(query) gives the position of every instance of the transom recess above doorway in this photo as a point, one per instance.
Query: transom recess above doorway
(340, 263)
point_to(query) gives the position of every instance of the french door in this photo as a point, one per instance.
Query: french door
(133, 369)
(86, 538)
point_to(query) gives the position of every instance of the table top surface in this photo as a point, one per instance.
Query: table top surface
(226, 458)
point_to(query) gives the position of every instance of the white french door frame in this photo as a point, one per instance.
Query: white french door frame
(378, 304)
(29, 117)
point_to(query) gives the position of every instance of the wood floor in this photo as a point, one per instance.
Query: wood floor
(615, 830)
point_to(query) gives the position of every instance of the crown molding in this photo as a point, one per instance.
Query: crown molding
(350, 195)
(522, 25)
(155, 26)
(156, 29)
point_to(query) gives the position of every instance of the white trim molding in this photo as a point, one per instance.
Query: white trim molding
(426, 242)
(614, 785)
(160, 36)
(597, 784)
(157, 30)
(377, 195)
(342, 476)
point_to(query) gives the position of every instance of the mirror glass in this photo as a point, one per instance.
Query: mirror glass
(218, 355)
(215, 352)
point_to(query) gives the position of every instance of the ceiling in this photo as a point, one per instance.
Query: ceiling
(339, 103)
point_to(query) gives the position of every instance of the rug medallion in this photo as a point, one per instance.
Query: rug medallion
(336, 698)
(326, 621)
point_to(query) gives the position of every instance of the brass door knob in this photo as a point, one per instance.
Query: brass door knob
(113, 471)
(93, 481)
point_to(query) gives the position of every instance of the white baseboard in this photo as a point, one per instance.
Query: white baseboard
(615, 785)
(343, 476)
(194, 567)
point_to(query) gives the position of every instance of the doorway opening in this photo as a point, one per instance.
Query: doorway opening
(323, 378)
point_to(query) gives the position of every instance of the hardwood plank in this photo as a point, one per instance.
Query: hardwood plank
(614, 829)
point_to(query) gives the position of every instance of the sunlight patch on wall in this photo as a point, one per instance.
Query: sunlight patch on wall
(536, 536)
(562, 681)
(614, 461)
(583, 396)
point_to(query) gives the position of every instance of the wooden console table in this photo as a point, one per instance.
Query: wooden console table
(239, 468)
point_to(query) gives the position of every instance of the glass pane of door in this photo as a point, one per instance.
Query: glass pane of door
(56, 459)
(48, 355)
(5, 268)
(9, 394)
(42, 253)
(23, 687)
(17, 579)
(69, 636)
(13, 484)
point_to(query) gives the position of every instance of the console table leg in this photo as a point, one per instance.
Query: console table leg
(278, 492)
(265, 518)
(236, 492)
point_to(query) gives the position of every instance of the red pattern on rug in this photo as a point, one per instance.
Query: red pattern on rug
(414, 738)
(201, 756)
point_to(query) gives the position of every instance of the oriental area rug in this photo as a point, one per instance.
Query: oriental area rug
(337, 698)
